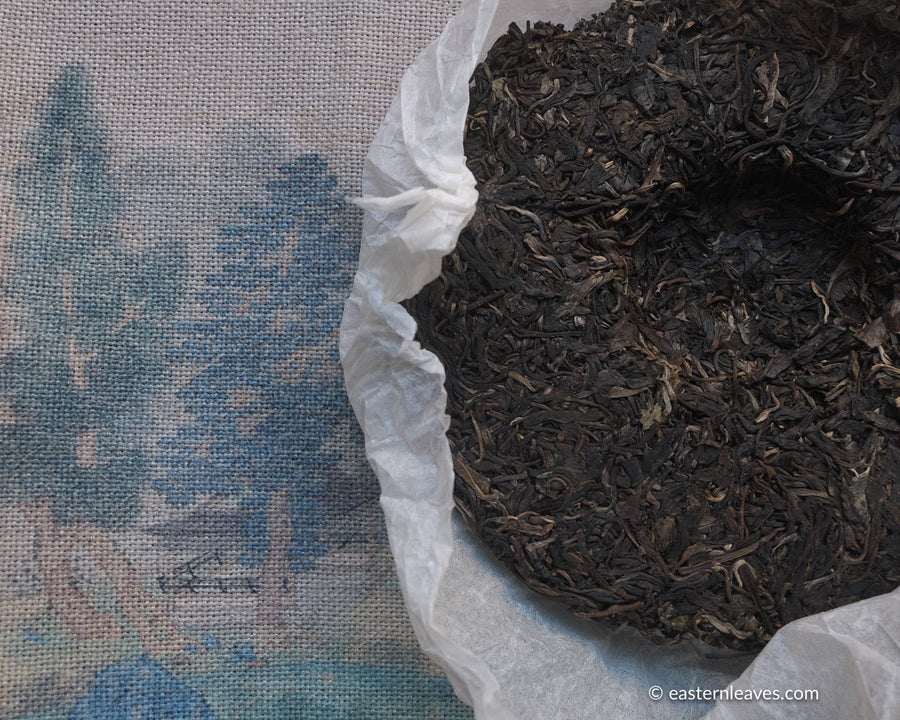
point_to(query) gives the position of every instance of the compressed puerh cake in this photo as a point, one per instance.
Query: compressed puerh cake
(671, 329)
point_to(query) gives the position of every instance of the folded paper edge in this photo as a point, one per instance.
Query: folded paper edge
(377, 332)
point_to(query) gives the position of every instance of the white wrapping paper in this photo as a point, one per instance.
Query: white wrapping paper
(507, 652)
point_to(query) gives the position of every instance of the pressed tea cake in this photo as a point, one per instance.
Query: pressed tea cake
(671, 329)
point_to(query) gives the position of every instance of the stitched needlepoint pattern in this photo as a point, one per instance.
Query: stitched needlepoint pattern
(188, 527)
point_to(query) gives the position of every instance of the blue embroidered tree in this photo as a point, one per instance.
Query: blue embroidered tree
(268, 393)
(92, 322)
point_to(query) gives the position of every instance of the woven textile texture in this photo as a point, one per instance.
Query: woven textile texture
(188, 528)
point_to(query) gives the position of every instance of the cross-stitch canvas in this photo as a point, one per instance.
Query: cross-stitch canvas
(188, 527)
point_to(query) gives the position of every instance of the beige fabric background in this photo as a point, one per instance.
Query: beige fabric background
(199, 101)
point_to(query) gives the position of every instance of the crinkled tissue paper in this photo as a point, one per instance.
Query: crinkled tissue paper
(509, 653)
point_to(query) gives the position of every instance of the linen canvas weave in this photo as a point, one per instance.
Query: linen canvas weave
(188, 528)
